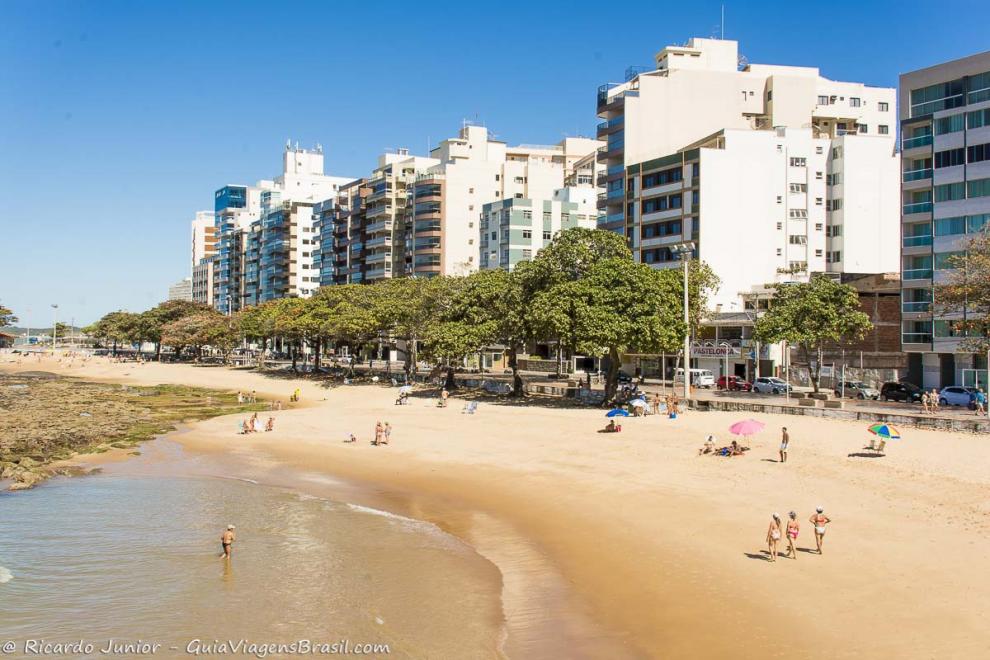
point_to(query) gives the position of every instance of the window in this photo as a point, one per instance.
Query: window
(661, 229)
(836, 152)
(950, 191)
(949, 157)
(519, 179)
(494, 235)
(527, 233)
(818, 150)
(883, 106)
(818, 201)
(547, 236)
(835, 205)
(942, 96)
(517, 195)
(862, 128)
(948, 260)
(834, 231)
(470, 191)
(978, 188)
(950, 124)
(822, 100)
(833, 257)
(769, 95)
(497, 177)
(799, 213)
(528, 215)
(780, 199)
(662, 178)
(883, 129)
(780, 252)
(780, 225)
(818, 176)
(546, 216)
(526, 254)
(978, 222)
(798, 162)
(797, 239)
(818, 226)
(950, 226)
(978, 118)
(978, 153)
(565, 217)
(818, 253)
(798, 187)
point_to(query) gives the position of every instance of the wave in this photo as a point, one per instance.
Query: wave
(5, 575)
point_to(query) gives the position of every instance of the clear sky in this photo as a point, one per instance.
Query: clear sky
(118, 120)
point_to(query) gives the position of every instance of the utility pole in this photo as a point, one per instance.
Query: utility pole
(685, 251)
(54, 328)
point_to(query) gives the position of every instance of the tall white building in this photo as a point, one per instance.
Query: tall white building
(204, 236)
(473, 170)
(181, 290)
(774, 172)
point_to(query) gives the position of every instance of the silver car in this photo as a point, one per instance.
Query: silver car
(856, 389)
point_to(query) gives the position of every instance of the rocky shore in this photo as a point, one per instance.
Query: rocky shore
(46, 418)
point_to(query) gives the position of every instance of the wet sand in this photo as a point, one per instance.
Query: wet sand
(630, 544)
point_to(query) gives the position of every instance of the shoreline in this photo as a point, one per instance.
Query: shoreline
(656, 548)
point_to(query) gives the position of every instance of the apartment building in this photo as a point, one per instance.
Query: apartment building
(443, 218)
(945, 145)
(516, 229)
(181, 290)
(266, 232)
(204, 236)
(203, 276)
(773, 172)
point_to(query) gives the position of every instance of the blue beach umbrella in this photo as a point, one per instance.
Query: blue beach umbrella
(617, 412)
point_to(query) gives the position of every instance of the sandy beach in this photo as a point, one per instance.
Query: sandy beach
(631, 545)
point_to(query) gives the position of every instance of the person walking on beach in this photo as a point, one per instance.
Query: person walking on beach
(933, 400)
(773, 536)
(387, 433)
(270, 425)
(785, 440)
(924, 403)
(379, 430)
(981, 402)
(226, 541)
(793, 528)
(819, 520)
(443, 397)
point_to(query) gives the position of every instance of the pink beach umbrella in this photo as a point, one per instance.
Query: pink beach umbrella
(746, 427)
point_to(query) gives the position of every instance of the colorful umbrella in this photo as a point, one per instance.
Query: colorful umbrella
(617, 412)
(638, 403)
(746, 427)
(885, 431)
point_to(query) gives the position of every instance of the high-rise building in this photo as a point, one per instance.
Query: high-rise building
(773, 172)
(204, 236)
(203, 280)
(443, 218)
(181, 290)
(516, 229)
(266, 233)
(945, 147)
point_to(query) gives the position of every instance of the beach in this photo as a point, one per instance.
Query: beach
(630, 544)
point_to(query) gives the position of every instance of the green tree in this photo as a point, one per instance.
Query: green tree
(405, 308)
(257, 323)
(616, 307)
(204, 328)
(965, 291)
(61, 330)
(350, 318)
(810, 315)
(115, 328)
(6, 317)
(151, 323)
(569, 257)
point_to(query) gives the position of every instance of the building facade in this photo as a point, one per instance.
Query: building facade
(516, 229)
(204, 237)
(945, 145)
(203, 281)
(181, 290)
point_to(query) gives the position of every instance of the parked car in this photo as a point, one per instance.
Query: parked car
(856, 389)
(770, 385)
(957, 395)
(699, 377)
(624, 377)
(901, 392)
(734, 383)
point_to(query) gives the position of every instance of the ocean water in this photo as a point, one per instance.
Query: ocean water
(136, 557)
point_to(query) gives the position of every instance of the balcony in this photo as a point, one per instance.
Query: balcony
(377, 274)
(917, 175)
(916, 241)
(380, 257)
(917, 274)
(918, 207)
(916, 338)
(919, 141)
(609, 126)
(381, 225)
(377, 211)
(910, 307)
(377, 242)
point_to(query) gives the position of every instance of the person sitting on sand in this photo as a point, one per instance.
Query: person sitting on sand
(270, 424)
(773, 536)
(793, 528)
(819, 520)
(610, 427)
(351, 438)
(226, 541)
(708, 447)
(737, 449)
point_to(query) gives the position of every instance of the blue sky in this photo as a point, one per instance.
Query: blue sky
(118, 120)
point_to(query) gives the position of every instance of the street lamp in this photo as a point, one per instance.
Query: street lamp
(54, 328)
(728, 348)
(685, 251)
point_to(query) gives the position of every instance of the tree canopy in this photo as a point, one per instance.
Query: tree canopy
(964, 294)
(6, 316)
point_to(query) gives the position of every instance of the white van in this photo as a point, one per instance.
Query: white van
(699, 377)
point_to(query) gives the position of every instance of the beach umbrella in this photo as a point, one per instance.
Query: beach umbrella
(638, 403)
(746, 427)
(617, 412)
(885, 431)
(405, 389)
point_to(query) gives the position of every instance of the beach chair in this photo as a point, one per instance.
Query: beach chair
(470, 408)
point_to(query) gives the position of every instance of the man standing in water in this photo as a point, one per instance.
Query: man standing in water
(785, 440)
(226, 540)
(819, 520)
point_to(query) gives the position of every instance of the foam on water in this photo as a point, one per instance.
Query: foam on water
(5, 575)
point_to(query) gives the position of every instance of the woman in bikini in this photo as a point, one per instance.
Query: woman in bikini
(793, 528)
(819, 520)
(773, 536)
